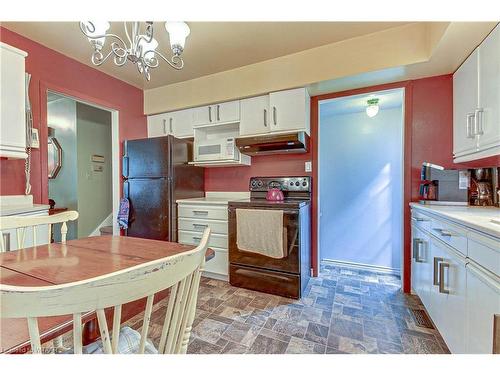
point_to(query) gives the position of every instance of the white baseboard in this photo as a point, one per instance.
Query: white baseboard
(362, 266)
(106, 222)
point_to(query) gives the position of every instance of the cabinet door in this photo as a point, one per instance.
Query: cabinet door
(448, 309)
(289, 110)
(483, 302)
(182, 126)
(203, 115)
(12, 115)
(158, 125)
(489, 91)
(255, 116)
(227, 112)
(465, 95)
(420, 264)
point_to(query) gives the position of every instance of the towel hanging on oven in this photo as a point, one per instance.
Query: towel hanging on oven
(261, 231)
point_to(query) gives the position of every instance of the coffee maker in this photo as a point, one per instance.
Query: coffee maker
(484, 187)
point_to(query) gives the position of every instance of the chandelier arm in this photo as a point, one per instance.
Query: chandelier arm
(98, 59)
(126, 32)
(175, 62)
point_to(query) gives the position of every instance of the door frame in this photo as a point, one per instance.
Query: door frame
(45, 87)
(407, 86)
(375, 268)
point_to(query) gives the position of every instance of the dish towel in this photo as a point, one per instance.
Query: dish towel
(123, 213)
(260, 231)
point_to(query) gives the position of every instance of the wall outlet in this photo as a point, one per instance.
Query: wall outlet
(308, 166)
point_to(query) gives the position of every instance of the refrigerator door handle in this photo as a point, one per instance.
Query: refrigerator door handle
(126, 189)
(125, 166)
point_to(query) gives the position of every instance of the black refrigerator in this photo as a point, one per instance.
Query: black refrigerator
(156, 173)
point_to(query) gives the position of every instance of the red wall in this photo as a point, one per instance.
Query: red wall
(50, 69)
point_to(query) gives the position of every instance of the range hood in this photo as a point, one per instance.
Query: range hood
(274, 144)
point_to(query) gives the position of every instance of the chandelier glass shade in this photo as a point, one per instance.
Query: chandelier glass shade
(139, 47)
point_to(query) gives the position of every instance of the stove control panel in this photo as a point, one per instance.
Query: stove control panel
(283, 183)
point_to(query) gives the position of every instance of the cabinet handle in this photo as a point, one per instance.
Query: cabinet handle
(200, 225)
(496, 334)
(218, 113)
(274, 115)
(445, 233)
(442, 266)
(478, 121)
(209, 113)
(265, 117)
(164, 126)
(171, 128)
(416, 250)
(436, 279)
(419, 219)
(197, 238)
(469, 127)
(200, 212)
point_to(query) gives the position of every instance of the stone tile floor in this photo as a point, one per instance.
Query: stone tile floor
(343, 311)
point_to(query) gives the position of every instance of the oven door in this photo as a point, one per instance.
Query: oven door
(290, 263)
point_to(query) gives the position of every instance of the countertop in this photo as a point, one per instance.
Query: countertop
(478, 218)
(22, 209)
(216, 198)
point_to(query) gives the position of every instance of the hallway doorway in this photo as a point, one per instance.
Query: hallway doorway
(361, 181)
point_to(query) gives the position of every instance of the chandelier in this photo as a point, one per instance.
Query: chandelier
(141, 46)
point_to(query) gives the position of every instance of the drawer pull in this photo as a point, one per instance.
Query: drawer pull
(197, 238)
(445, 233)
(442, 266)
(200, 225)
(420, 219)
(200, 212)
(436, 279)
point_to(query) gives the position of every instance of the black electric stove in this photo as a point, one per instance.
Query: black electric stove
(287, 276)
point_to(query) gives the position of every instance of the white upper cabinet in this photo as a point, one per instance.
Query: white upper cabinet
(228, 112)
(289, 110)
(180, 123)
(12, 113)
(255, 116)
(489, 91)
(202, 115)
(158, 125)
(465, 91)
(476, 102)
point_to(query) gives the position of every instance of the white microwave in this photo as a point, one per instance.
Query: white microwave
(216, 150)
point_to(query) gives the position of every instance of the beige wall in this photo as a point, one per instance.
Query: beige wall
(372, 52)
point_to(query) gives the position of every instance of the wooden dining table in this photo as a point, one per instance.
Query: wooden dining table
(77, 260)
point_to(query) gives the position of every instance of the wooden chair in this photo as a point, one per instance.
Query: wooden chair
(23, 224)
(181, 273)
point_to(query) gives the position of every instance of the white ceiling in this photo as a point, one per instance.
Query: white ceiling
(357, 103)
(210, 48)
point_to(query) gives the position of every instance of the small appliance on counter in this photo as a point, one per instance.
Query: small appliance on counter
(484, 187)
(443, 186)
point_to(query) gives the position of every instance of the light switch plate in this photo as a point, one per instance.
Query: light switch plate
(308, 166)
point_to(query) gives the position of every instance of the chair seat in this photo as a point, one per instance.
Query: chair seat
(128, 343)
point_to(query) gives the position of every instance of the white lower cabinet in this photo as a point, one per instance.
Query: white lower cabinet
(454, 274)
(41, 232)
(447, 295)
(193, 219)
(483, 303)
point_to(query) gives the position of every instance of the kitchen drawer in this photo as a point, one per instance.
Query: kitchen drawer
(218, 264)
(485, 251)
(199, 225)
(193, 238)
(202, 212)
(421, 220)
(452, 235)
